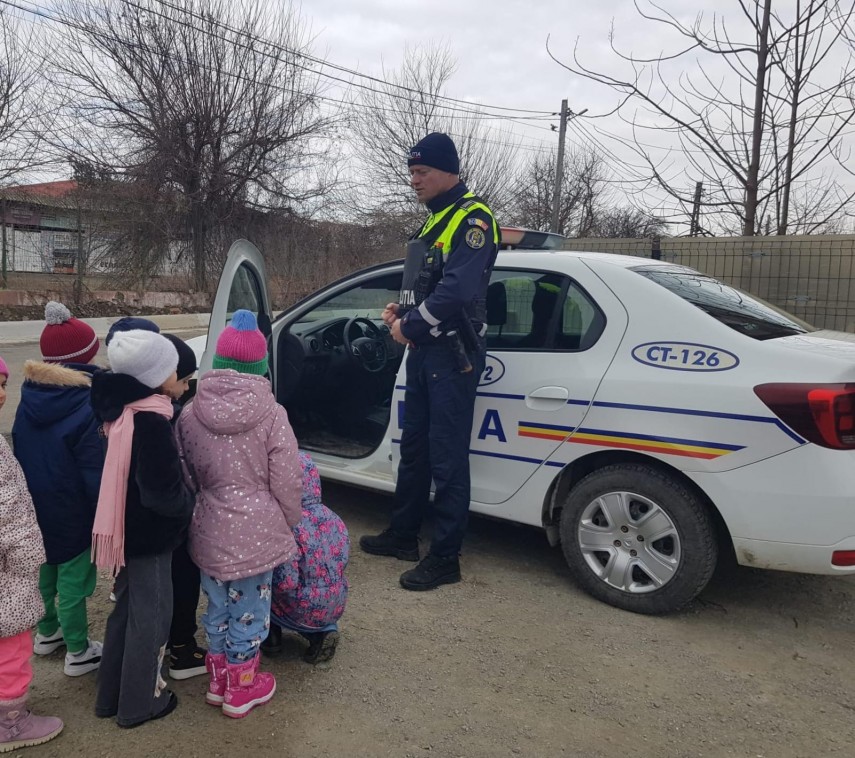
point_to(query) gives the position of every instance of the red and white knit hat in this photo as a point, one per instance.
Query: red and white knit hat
(66, 339)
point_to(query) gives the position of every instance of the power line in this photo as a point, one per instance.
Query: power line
(42, 13)
(470, 113)
(605, 154)
(545, 115)
(344, 69)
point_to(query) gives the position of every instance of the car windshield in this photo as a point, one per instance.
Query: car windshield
(367, 300)
(745, 313)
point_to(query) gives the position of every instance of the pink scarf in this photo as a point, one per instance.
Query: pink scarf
(108, 532)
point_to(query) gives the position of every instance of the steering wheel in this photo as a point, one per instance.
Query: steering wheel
(368, 353)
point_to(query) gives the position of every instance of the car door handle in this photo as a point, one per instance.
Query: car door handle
(547, 398)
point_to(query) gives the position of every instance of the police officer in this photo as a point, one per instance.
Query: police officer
(459, 239)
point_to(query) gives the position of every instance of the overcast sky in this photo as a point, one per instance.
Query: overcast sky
(500, 47)
(502, 60)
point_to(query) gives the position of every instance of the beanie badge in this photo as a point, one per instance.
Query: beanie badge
(436, 150)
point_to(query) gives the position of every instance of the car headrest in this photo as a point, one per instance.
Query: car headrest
(497, 304)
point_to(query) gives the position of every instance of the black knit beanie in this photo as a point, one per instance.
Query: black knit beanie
(126, 323)
(437, 151)
(186, 357)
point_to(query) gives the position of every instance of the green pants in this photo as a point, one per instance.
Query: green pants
(73, 581)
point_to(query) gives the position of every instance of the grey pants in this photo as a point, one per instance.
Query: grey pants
(130, 685)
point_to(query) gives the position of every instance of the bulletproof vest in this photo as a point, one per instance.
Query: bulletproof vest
(434, 239)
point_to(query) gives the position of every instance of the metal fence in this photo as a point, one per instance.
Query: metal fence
(812, 277)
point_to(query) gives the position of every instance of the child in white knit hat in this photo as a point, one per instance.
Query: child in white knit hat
(143, 512)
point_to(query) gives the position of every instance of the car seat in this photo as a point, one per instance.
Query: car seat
(497, 311)
(542, 310)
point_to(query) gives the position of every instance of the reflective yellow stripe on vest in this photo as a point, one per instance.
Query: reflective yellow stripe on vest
(444, 240)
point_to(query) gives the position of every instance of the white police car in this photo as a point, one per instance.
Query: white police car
(648, 417)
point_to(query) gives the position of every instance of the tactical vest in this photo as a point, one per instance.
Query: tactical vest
(438, 232)
(439, 235)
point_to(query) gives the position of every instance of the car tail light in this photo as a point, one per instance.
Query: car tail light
(843, 558)
(821, 413)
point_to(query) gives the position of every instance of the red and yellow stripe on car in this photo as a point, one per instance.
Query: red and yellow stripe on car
(628, 441)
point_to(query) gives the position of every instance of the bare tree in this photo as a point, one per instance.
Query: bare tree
(191, 101)
(582, 189)
(387, 120)
(21, 90)
(756, 116)
(626, 222)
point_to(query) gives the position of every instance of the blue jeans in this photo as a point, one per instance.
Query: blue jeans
(238, 616)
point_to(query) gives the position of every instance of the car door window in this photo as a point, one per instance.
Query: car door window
(245, 292)
(582, 322)
(535, 310)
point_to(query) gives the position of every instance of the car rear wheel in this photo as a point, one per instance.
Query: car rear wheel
(637, 538)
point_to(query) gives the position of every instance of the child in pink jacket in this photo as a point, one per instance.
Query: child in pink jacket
(21, 555)
(240, 456)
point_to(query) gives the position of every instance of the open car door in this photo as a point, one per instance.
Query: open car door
(243, 284)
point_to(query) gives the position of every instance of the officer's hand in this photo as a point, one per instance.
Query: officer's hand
(390, 314)
(396, 332)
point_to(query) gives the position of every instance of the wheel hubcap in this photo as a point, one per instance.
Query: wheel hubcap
(629, 542)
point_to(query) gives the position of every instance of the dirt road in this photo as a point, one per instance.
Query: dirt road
(516, 661)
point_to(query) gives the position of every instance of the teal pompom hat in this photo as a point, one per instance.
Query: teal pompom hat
(241, 346)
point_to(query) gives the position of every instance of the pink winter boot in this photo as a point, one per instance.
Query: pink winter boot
(20, 728)
(246, 688)
(216, 665)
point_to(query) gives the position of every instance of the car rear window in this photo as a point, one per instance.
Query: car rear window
(740, 311)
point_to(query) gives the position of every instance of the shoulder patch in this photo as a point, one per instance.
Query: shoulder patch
(475, 238)
(479, 222)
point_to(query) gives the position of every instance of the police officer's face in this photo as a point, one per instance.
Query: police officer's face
(430, 182)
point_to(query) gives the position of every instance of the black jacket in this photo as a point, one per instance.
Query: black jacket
(158, 505)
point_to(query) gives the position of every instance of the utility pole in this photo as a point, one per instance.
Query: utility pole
(559, 168)
(695, 223)
(78, 281)
(566, 113)
(3, 212)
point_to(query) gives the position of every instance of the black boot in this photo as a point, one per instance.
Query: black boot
(186, 661)
(322, 646)
(431, 573)
(390, 543)
(273, 644)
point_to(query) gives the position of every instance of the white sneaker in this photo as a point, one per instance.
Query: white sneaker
(112, 597)
(78, 664)
(43, 645)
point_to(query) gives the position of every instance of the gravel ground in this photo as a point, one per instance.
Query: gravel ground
(517, 661)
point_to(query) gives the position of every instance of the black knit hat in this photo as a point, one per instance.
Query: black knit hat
(437, 151)
(126, 323)
(186, 357)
